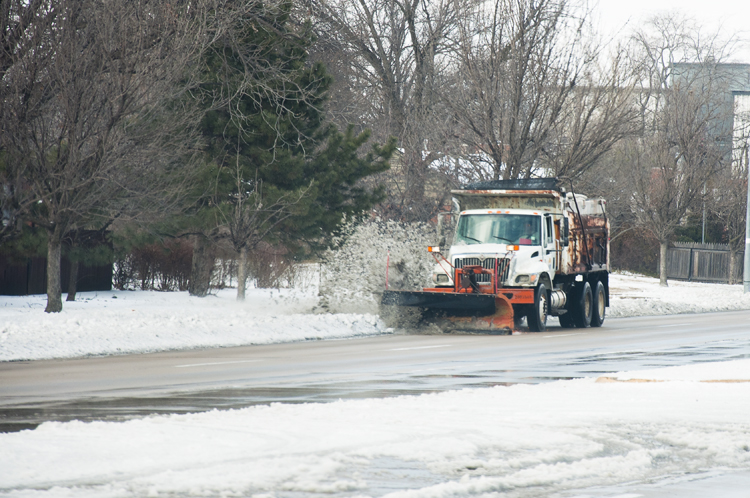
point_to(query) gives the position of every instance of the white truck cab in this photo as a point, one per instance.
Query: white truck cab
(527, 238)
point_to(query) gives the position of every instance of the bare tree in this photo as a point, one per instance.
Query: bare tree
(524, 88)
(684, 112)
(24, 27)
(95, 119)
(397, 49)
(598, 114)
(729, 205)
(729, 199)
(252, 216)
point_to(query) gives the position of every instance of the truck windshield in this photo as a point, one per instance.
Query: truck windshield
(498, 229)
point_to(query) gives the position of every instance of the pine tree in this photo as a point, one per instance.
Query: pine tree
(275, 169)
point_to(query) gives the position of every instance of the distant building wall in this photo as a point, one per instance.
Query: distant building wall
(732, 80)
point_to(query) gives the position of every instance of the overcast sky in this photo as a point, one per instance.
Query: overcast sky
(732, 15)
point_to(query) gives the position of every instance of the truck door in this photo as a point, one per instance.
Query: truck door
(549, 247)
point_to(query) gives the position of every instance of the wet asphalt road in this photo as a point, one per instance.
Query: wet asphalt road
(123, 387)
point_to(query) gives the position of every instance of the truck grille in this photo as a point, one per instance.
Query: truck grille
(489, 264)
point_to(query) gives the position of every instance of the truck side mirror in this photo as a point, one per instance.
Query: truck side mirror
(566, 232)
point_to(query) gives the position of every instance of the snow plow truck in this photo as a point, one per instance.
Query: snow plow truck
(521, 248)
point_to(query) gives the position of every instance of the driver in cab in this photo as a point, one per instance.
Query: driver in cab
(529, 236)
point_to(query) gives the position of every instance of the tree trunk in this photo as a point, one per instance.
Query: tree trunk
(415, 181)
(732, 265)
(54, 293)
(663, 264)
(73, 281)
(203, 265)
(242, 274)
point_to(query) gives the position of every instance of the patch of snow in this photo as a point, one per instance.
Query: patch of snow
(729, 372)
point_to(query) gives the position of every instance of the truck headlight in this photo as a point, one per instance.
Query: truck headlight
(441, 278)
(526, 279)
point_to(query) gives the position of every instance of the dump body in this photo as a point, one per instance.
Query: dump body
(530, 246)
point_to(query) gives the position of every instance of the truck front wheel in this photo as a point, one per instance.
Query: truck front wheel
(537, 317)
(582, 308)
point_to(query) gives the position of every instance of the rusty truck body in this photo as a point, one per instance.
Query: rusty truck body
(521, 248)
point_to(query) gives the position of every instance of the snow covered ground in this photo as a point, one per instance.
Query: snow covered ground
(551, 439)
(644, 433)
(636, 295)
(118, 322)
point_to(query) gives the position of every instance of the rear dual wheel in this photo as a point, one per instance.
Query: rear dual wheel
(583, 307)
(600, 305)
(580, 306)
(586, 307)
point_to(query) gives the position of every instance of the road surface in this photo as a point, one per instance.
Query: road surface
(122, 387)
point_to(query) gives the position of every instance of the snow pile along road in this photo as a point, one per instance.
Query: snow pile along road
(118, 322)
(636, 295)
(522, 440)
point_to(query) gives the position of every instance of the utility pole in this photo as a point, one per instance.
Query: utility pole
(703, 232)
(746, 273)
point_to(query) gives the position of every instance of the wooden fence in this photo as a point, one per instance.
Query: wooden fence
(30, 276)
(702, 262)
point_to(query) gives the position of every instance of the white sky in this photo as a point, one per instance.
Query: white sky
(730, 15)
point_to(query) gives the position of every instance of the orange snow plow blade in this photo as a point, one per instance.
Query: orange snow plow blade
(500, 320)
(492, 313)
(469, 305)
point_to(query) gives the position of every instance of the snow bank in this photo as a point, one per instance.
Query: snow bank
(117, 322)
(522, 440)
(636, 295)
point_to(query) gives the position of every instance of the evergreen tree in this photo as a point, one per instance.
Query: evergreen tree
(275, 168)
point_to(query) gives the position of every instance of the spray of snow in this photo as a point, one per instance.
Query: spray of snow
(353, 273)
